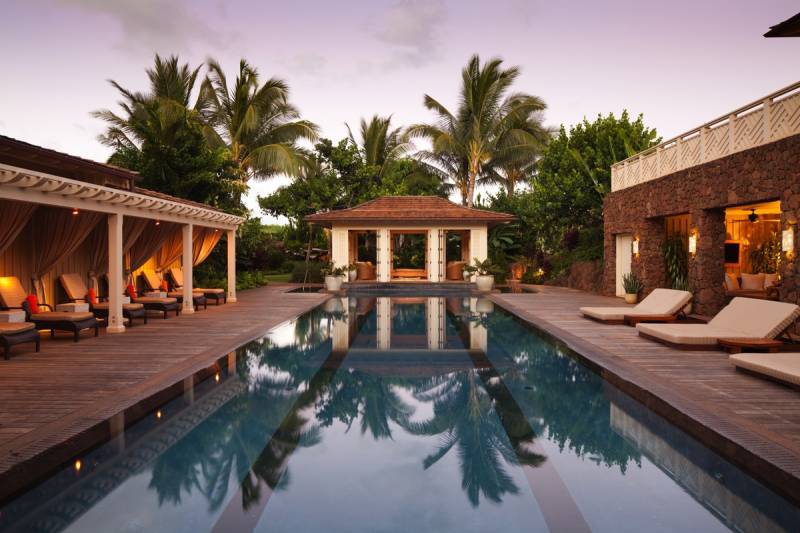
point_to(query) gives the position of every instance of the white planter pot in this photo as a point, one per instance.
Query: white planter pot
(333, 283)
(484, 283)
(352, 274)
(631, 298)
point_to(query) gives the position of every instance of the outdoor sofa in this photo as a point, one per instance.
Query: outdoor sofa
(743, 318)
(176, 273)
(77, 292)
(13, 296)
(153, 283)
(661, 305)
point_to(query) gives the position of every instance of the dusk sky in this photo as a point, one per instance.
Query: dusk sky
(679, 63)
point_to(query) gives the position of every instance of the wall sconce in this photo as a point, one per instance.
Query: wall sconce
(787, 241)
(635, 247)
(693, 243)
(75, 211)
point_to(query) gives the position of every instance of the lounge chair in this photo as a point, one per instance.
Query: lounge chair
(153, 283)
(782, 367)
(155, 303)
(743, 318)
(212, 294)
(77, 292)
(13, 333)
(13, 296)
(661, 305)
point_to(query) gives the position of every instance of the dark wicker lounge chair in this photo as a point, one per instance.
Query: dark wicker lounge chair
(152, 283)
(13, 333)
(176, 274)
(76, 292)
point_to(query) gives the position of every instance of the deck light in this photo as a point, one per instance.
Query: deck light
(787, 241)
(693, 243)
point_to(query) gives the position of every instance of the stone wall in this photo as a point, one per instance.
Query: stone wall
(766, 173)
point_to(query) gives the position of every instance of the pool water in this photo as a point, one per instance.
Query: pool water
(401, 414)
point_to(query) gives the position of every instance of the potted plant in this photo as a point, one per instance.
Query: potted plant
(484, 274)
(632, 285)
(333, 276)
(352, 274)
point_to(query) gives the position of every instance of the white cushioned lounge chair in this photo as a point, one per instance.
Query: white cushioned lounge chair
(153, 283)
(176, 274)
(743, 318)
(783, 367)
(661, 305)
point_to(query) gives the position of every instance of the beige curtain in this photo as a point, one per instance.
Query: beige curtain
(13, 217)
(98, 245)
(170, 251)
(57, 233)
(204, 241)
(149, 242)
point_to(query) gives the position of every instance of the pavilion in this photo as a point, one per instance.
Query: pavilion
(423, 238)
(60, 213)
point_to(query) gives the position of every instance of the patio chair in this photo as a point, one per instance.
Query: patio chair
(661, 305)
(13, 296)
(154, 303)
(176, 273)
(77, 292)
(153, 283)
(781, 367)
(455, 270)
(13, 333)
(743, 318)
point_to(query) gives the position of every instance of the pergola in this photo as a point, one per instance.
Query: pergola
(390, 217)
(32, 177)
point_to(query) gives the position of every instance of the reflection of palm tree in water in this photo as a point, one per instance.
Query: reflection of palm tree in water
(484, 432)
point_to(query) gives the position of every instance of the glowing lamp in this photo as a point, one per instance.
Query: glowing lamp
(635, 247)
(78, 465)
(75, 211)
(787, 241)
(693, 243)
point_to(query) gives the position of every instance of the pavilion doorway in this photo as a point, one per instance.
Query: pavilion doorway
(409, 254)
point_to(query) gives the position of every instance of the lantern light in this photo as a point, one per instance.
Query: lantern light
(693, 243)
(787, 241)
(635, 246)
(75, 211)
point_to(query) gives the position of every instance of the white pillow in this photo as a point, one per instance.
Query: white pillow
(731, 283)
(752, 282)
(769, 280)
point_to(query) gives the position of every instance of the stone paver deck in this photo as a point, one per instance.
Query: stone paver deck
(753, 422)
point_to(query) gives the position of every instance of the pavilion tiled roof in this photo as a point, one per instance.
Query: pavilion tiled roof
(410, 209)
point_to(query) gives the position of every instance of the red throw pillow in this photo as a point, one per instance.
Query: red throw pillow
(92, 296)
(33, 302)
(131, 290)
(164, 285)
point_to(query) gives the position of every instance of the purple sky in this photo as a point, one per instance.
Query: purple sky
(680, 63)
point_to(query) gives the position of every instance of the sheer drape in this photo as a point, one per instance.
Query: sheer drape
(169, 252)
(151, 239)
(13, 217)
(98, 245)
(204, 241)
(56, 234)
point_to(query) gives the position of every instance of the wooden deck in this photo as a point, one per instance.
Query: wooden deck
(751, 421)
(50, 397)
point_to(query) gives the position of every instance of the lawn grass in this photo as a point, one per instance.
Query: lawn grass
(279, 277)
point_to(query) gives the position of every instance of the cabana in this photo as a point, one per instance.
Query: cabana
(408, 238)
(64, 214)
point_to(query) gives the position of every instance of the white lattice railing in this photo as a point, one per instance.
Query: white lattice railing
(766, 120)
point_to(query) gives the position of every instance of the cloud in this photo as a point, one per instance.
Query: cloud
(155, 24)
(307, 64)
(412, 27)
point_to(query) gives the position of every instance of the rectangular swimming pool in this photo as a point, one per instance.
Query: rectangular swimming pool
(410, 413)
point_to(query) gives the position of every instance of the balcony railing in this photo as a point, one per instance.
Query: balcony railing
(766, 120)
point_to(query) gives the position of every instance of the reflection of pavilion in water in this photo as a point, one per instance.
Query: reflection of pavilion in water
(412, 336)
(732, 496)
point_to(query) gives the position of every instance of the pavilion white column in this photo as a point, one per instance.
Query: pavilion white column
(384, 254)
(231, 237)
(433, 255)
(478, 245)
(340, 247)
(188, 281)
(115, 322)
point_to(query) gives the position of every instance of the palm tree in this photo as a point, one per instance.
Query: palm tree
(256, 122)
(379, 143)
(158, 115)
(481, 129)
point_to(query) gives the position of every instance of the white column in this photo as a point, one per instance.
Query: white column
(384, 324)
(231, 265)
(188, 282)
(434, 323)
(433, 255)
(340, 247)
(478, 245)
(384, 255)
(115, 319)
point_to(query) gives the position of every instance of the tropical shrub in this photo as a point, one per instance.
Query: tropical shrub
(676, 261)
(631, 283)
(766, 257)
